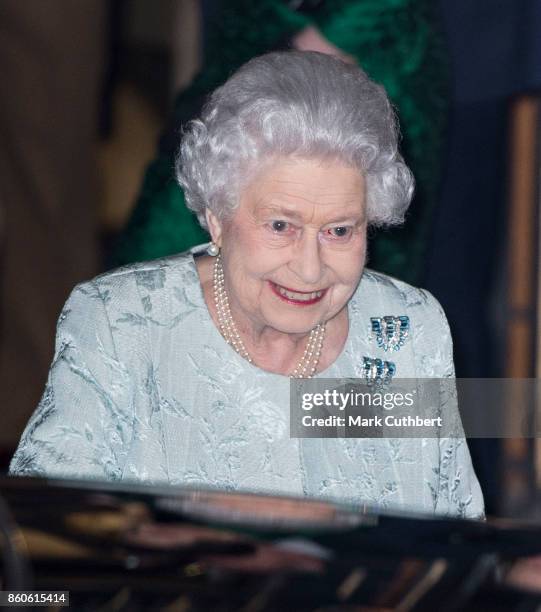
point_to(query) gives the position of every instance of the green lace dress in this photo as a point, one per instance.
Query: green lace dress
(396, 41)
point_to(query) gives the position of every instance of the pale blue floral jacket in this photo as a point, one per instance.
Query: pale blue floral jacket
(144, 388)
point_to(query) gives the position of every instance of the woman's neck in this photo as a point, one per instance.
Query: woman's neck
(270, 349)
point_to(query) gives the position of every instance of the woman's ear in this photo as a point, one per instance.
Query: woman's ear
(215, 227)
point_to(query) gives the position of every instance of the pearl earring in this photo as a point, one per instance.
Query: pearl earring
(213, 249)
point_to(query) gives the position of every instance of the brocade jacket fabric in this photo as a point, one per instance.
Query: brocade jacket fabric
(143, 388)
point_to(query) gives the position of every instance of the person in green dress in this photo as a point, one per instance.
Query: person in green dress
(397, 42)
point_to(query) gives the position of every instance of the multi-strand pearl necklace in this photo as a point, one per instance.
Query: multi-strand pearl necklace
(308, 363)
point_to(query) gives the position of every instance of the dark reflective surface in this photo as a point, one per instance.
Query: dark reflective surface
(143, 548)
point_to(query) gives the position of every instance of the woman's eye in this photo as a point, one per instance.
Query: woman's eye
(279, 226)
(339, 232)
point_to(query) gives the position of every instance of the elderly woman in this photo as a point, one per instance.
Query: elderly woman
(178, 370)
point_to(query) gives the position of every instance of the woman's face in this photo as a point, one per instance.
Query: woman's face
(294, 250)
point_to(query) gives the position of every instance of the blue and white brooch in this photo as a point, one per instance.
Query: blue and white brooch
(377, 371)
(390, 332)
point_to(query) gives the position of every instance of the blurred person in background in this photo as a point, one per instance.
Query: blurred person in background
(398, 43)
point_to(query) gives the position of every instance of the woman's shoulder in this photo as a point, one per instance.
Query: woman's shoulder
(387, 291)
(153, 275)
(158, 293)
(381, 299)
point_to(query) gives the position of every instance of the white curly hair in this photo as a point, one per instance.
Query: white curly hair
(294, 103)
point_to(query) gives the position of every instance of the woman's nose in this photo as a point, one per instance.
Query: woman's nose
(306, 263)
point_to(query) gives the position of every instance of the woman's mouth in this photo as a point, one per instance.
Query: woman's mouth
(300, 298)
